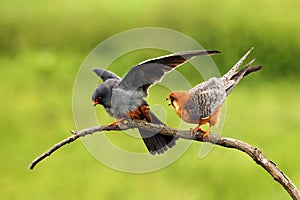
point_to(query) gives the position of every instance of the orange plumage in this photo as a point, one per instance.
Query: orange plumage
(203, 103)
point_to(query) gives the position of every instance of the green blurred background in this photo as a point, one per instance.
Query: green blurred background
(42, 45)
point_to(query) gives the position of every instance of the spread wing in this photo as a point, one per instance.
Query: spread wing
(143, 75)
(105, 74)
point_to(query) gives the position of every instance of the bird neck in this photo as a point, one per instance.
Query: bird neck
(181, 99)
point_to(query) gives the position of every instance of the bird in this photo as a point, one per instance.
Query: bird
(123, 99)
(202, 104)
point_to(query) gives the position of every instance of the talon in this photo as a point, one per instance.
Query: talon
(198, 129)
(194, 130)
(112, 124)
(206, 134)
(118, 122)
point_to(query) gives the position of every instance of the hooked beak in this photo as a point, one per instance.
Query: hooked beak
(167, 99)
(95, 103)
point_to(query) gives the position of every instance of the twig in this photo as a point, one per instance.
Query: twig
(253, 152)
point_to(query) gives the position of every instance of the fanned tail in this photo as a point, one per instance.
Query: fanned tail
(156, 143)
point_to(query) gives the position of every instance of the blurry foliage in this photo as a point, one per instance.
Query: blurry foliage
(43, 43)
(231, 26)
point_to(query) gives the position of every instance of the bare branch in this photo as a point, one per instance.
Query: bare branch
(75, 136)
(253, 152)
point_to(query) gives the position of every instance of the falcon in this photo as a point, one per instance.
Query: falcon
(202, 104)
(124, 98)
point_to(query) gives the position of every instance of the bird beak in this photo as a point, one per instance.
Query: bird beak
(95, 103)
(167, 99)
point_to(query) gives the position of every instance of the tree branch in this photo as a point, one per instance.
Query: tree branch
(253, 152)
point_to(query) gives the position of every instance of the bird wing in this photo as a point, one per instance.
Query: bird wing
(105, 74)
(206, 98)
(146, 73)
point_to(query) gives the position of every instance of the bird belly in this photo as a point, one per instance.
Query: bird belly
(185, 116)
(198, 115)
(214, 118)
(124, 101)
(141, 112)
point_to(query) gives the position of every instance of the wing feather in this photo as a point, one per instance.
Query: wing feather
(105, 74)
(143, 75)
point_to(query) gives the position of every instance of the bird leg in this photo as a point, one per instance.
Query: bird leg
(206, 134)
(118, 122)
(198, 129)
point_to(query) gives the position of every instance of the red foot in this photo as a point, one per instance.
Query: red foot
(205, 133)
(119, 121)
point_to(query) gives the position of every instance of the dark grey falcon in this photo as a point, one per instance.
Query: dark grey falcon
(124, 98)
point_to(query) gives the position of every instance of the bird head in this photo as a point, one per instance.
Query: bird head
(102, 94)
(173, 100)
(178, 100)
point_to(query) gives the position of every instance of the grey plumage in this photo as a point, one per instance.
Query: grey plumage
(206, 97)
(121, 96)
(104, 90)
(146, 73)
(105, 75)
(126, 100)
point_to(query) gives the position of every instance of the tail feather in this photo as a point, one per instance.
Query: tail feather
(233, 76)
(156, 143)
(237, 77)
(253, 69)
(242, 73)
(234, 69)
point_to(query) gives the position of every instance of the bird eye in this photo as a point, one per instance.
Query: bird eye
(172, 98)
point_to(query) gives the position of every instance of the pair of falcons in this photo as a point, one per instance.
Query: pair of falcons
(124, 98)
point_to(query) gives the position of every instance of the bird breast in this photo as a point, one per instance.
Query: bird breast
(205, 98)
(123, 101)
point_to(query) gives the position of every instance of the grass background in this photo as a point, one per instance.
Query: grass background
(42, 45)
